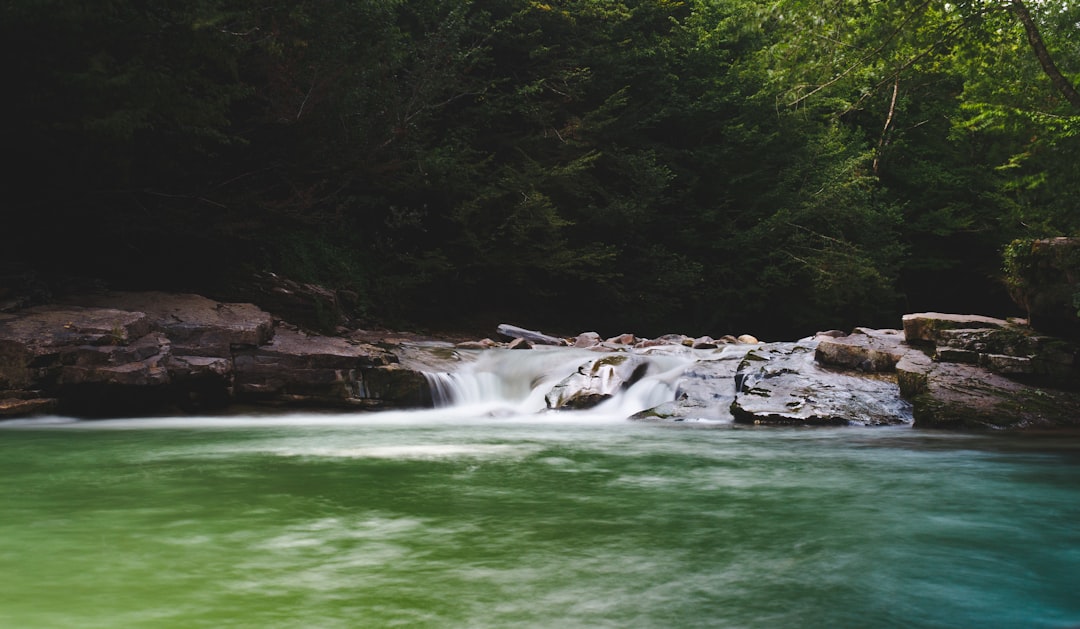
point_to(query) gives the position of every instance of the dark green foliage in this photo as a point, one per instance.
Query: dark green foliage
(655, 166)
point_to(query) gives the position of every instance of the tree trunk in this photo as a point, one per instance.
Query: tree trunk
(1035, 39)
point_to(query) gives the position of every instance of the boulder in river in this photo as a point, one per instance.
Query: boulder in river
(587, 339)
(597, 380)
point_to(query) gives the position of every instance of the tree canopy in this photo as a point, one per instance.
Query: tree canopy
(705, 166)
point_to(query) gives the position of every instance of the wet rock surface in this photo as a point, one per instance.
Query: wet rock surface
(704, 391)
(782, 384)
(597, 380)
(965, 396)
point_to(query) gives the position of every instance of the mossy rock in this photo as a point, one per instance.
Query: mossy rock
(1043, 277)
(967, 397)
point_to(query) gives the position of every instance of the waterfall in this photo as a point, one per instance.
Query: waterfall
(530, 381)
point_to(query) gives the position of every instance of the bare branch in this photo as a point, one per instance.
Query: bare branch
(888, 122)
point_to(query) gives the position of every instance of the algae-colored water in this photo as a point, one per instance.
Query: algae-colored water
(432, 519)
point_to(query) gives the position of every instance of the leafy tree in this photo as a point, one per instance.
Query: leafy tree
(628, 164)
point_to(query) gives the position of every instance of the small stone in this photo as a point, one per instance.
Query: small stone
(481, 344)
(705, 342)
(587, 339)
(747, 339)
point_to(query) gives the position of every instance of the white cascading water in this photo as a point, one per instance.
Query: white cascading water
(519, 382)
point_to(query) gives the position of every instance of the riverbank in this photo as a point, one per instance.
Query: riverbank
(117, 354)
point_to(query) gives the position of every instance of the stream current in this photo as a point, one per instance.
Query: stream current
(488, 513)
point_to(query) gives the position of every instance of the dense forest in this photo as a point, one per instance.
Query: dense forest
(699, 166)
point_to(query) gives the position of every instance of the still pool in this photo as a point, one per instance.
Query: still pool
(430, 519)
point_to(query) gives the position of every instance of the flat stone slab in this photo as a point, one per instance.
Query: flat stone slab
(925, 327)
(311, 368)
(196, 325)
(56, 326)
(32, 341)
(864, 349)
(312, 351)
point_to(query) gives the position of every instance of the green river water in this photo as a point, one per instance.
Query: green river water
(437, 519)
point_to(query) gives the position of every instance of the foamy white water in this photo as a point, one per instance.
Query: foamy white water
(517, 382)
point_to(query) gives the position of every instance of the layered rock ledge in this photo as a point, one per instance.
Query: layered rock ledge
(981, 373)
(124, 353)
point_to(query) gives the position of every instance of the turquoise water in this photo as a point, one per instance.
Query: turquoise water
(433, 520)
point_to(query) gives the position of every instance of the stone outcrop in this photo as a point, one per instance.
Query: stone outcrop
(1043, 277)
(150, 352)
(982, 373)
(966, 396)
(925, 327)
(309, 369)
(864, 349)
(782, 384)
(195, 325)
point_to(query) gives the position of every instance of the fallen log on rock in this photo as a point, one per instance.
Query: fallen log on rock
(512, 332)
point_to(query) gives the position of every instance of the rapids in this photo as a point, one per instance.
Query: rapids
(519, 382)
